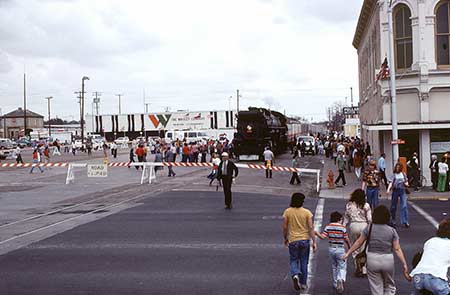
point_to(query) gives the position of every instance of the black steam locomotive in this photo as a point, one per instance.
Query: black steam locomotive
(258, 128)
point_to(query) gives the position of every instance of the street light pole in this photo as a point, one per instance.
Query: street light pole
(48, 98)
(82, 108)
(395, 149)
(24, 106)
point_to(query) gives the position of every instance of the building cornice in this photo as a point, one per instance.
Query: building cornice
(364, 18)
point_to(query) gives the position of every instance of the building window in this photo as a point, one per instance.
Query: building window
(403, 37)
(443, 33)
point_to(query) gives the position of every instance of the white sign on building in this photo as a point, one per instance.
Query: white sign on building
(440, 147)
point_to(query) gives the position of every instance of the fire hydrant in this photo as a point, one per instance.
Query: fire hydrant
(330, 179)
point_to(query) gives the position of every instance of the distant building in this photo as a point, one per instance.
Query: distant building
(422, 61)
(352, 127)
(12, 124)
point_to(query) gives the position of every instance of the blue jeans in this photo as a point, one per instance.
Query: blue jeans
(430, 283)
(37, 163)
(338, 265)
(396, 194)
(299, 256)
(372, 196)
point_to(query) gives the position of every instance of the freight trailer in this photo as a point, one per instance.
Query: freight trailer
(147, 125)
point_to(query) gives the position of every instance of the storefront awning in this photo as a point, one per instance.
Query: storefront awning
(412, 126)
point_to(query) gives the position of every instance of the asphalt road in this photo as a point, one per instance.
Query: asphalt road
(176, 243)
(176, 238)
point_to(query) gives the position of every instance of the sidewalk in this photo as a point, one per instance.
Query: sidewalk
(343, 192)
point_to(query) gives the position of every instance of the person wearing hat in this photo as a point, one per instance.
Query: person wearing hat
(226, 172)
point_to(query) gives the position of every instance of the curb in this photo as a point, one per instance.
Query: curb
(410, 198)
(429, 198)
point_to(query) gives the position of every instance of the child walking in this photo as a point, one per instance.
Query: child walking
(336, 233)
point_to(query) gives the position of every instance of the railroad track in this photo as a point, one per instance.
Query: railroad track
(28, 226)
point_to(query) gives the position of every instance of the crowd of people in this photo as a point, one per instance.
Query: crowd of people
(369, 230)
(371, 241)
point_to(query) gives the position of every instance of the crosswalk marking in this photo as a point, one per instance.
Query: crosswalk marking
(425, 215)
(318, 218)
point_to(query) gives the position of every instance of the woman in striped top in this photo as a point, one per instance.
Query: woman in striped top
(336, 233)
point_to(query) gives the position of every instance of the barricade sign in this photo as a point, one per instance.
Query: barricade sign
(97, 170)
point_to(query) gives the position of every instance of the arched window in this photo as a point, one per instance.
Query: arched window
(403, 37)
(443, 33)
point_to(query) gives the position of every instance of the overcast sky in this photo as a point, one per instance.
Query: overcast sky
(293, 55)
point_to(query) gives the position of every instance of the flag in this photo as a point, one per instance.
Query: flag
(384, 71)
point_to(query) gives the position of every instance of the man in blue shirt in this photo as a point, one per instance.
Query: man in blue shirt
(382, 168)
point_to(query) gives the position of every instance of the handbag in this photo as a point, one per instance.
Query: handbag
(361, 258)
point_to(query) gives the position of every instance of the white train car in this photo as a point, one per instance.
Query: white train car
(294, 130)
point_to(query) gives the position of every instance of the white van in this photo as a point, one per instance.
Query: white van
(173, 135)
(190, 136)
(196, 136)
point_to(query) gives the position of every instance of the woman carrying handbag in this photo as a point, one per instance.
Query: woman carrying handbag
(357, 217)
(382, 243)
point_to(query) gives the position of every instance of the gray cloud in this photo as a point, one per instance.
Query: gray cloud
(185, 54)
(329, 11)
(5, 64)
(87, 39)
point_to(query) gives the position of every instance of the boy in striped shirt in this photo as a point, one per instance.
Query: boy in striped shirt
(336, 233)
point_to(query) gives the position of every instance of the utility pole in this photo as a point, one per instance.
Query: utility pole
(351, 96)
(82, 107)
(78, 93)
(96, 100)
(395, 149)
(24, 106)
(120, 103)
(48, 98)
(146, 107)
(143, 96)
(237, 100)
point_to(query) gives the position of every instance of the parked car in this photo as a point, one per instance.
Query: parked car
(122, 140)
(5, 154)
(23, 142)
(7, 144)
(140, 139)
(310, 143)
(78, 144)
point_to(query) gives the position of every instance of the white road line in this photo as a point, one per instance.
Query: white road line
(425, 215)
(318, 217)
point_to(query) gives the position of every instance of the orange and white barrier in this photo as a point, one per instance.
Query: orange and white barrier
(27, 165)
(151, 169)
(149, 173)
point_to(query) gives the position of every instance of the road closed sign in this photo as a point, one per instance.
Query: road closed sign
(98, 170)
